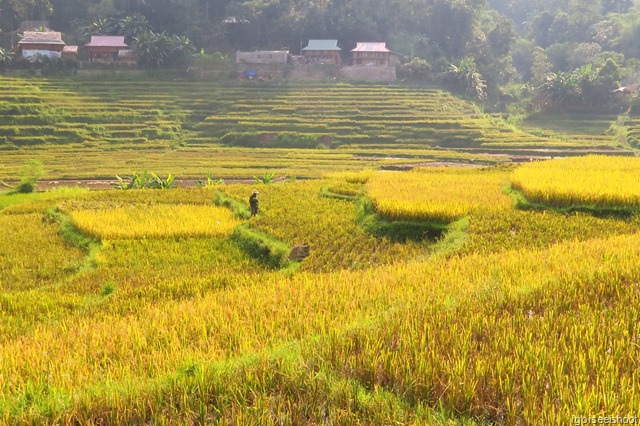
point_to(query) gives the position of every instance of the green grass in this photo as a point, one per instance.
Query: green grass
(34, 200)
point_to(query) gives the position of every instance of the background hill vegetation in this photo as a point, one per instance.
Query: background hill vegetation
(561, 53)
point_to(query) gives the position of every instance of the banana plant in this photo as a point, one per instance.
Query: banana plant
(210, 181)
(268, 177)
(160, 183)
(135, 181)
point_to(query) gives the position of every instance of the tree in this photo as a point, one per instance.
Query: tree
(451, 25)
(559, 89)
(418, 69)
(540, 66)
(5, 59)
(616, 6)
(132, 26)
(161, 50)
(32, 10)
(609, 74)
(466, 78)
(597, 88)
(623, 32)
(98, 26)
(502, 36)
(102, 8)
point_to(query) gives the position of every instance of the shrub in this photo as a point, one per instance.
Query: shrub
(145, 180)
(25, 187)
(30, 172)
(241, 139)
(162, 50)
(296, 140)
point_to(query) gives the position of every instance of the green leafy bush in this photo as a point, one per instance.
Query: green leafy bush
(31, 171)
(241, 139)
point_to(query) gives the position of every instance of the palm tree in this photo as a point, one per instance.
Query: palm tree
(149, 50)
(97, 26)
(181, 50)
(132, 26)
(467, 79)
(557, 90)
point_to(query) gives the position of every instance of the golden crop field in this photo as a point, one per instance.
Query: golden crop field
(592, 181)
(154, 221)
(514, 317)
(25, 268)
(439, 194)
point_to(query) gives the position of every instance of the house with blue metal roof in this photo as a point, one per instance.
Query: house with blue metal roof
(322, 52)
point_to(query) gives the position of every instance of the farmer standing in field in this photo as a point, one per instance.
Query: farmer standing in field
(253, 202)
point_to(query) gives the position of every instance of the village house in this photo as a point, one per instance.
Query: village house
(107, 48)
(262, 57)
(322, 52)
(373, 54)
(261, 64)
(70, 52)
(48, 43)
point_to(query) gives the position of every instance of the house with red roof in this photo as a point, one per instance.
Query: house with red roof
(70, 52)
(373, 54)
(45, 43)
(106, 48)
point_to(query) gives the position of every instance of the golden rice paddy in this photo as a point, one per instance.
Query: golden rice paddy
(593, 180)
(155, 221)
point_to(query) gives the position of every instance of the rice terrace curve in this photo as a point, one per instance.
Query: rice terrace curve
(461, 269)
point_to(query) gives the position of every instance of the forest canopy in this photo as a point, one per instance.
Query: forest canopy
(492, 44)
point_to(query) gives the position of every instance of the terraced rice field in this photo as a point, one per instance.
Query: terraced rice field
(176, 119)
(584, 133)
(114, 309)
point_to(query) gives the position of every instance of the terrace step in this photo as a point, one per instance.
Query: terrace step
(136, 112)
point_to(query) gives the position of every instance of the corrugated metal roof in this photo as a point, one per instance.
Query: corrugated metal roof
(322, 45)
(371, 47)
(37, 37)
(106, 41)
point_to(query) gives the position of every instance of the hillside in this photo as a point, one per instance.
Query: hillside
(179, 123)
